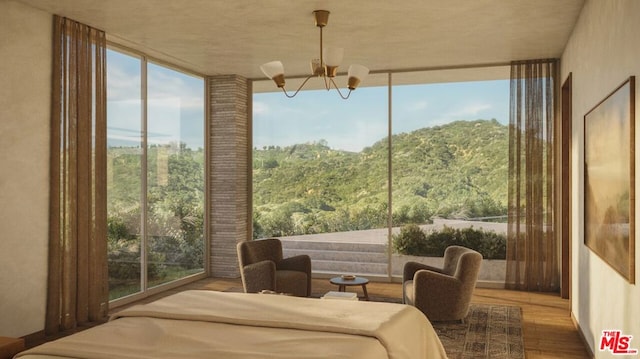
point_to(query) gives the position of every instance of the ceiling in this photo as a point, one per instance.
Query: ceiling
(214, 37)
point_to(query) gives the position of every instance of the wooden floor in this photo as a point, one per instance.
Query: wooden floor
(548, 329)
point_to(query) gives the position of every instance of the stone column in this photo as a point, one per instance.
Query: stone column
(229, 175)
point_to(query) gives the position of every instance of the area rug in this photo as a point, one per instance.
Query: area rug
(488, 331)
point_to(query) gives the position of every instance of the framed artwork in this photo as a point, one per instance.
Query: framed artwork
(609, 179)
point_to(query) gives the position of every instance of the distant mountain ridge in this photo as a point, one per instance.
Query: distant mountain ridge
(453, 170)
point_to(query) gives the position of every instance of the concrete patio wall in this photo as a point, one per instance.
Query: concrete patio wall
(492, 271)
(366, 252)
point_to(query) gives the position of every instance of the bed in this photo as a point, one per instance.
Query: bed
(210, 324)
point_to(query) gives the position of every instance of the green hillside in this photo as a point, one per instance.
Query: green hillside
(458, 170)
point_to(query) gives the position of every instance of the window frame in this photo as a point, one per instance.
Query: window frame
(419, 76)
(145, 289)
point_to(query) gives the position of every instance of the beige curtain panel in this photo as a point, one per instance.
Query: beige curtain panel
(78, 279)
(532, 248)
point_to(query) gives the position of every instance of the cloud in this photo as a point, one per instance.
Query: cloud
(470, 110)
(260, 108)
(417, 106)
(182, 91)
(175, 111)
(122, 85)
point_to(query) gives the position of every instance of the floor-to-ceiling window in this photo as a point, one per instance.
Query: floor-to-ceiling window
(356, 171)
(320, 165)
(449, 157)
(155, 184)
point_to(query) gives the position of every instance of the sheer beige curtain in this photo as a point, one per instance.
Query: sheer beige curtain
(532, 248)
(78, 280)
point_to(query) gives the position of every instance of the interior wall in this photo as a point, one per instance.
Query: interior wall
(25, 90)
(601, 54)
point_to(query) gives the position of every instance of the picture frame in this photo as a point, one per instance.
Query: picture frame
(609, 179)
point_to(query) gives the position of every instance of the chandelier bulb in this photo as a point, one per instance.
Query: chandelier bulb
(316, 68)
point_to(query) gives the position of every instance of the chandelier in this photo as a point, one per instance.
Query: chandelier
(326, 66)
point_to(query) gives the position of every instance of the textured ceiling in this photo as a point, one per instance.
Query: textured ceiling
(234, 37)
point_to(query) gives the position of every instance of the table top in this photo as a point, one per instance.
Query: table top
(354, 281)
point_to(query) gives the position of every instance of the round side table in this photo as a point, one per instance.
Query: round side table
(343, 283)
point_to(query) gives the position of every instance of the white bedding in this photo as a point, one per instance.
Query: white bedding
(209, 324)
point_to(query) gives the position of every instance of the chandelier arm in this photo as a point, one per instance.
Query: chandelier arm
(327, 85)
(321, 55)
(338, 89)
(298, 90)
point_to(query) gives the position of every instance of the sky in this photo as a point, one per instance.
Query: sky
(176, 109)
(175, 104)
(362, 120)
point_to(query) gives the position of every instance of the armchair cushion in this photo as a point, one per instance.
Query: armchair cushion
(288, 281)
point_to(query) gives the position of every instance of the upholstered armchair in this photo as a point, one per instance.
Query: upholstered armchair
(443, 293)
(263, 267)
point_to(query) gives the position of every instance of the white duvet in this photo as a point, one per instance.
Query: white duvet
(209, 324)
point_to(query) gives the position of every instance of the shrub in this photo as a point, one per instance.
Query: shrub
(411, 239)
(414, 241)
(124, 254)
